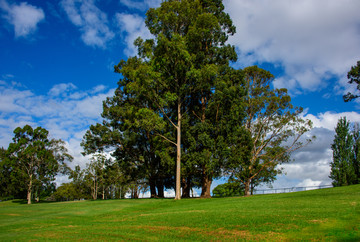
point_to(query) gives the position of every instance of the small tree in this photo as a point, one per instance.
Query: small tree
(229, 189)
(345, 163)
(36, 159)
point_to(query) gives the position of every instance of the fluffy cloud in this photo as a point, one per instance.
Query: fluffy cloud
(312, 41)
(131, 26)
(91, 21)
(24, 17)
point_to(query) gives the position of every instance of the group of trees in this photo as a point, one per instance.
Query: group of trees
(180, 118)
(101, 178)
(179, 104)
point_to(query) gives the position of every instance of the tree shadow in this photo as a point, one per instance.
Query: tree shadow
(19, 201)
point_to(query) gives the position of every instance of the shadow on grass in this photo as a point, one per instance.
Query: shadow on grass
(24, 201)
(19, 201)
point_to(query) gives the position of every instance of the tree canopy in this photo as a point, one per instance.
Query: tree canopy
(354, 78)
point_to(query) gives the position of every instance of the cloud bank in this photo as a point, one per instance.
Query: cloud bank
(65, 111)
(312, 41)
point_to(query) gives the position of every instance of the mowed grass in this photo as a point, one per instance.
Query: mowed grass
(327, 214)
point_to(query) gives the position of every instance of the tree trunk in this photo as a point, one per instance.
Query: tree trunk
(178, 155)
(29, 191)
(94, 195)
(136, 195)
(186, 187)
(37, 194)
(252, 188)
(247, 188)
(152, 187)
(205, 186)
(206, 178)
(160, 188)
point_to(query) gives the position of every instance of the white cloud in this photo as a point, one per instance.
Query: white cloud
(91, 21)
(309, 183)
(61, 89)
(329, 120)
(312, 40)
(141, 5)
(24, 17)
(132, 26)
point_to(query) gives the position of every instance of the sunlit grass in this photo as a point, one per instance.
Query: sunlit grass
(327, 214)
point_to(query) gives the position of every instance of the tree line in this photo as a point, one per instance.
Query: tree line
(182, 116)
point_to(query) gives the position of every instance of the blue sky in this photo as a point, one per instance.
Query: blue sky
(57, 58)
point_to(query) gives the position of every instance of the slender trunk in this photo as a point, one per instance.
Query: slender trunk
(29, 190)
(247, 188)
(152, 187)
(95, 190)
(103, 193)
(160, 188)
(178, 156)
(205, 187)
(206, 178)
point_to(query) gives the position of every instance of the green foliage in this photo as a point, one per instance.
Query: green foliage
(354, 78)
(10, 187)
(321, 215)
(345, 164)
(229, 189)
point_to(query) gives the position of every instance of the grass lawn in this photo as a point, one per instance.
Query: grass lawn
(327, 214)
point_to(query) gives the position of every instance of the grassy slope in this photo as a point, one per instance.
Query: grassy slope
(328, 214)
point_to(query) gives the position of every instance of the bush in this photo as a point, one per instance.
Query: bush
(229, 189)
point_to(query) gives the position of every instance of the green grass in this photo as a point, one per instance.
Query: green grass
(329, 214)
